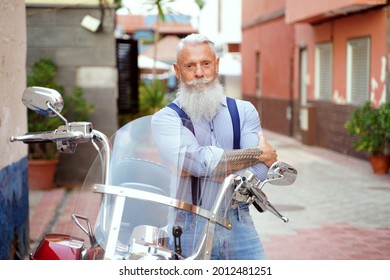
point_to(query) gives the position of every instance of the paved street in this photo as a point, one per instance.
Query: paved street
(338, 209)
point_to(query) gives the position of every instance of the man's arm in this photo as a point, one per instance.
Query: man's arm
(171, 139)
(233, 160)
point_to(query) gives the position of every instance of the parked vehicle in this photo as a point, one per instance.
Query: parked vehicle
(132, 193)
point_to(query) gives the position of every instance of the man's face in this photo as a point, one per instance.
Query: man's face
(196, 61)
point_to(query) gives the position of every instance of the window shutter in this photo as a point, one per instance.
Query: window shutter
(358, 70)
(127, 64)
(324, 71)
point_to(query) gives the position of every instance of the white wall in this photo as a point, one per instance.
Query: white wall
(230, 28)
(13, 114)
(230, 32)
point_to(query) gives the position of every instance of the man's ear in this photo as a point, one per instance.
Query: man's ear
(176, 68)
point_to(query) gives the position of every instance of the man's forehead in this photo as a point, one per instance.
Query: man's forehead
(196, 51)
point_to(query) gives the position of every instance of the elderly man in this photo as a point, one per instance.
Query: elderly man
(215, 135)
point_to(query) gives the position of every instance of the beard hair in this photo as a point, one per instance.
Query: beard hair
(199, 99)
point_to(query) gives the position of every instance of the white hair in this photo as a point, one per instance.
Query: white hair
(194, 38)
(201, 100)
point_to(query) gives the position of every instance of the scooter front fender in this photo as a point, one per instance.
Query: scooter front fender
(59, 247)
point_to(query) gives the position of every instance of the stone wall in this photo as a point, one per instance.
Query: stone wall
(84, 58)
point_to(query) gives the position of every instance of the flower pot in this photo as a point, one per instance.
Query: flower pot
(380, 164)
(41, 173)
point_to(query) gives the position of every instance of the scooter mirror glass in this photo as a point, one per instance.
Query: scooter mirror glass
(37, 99)
(281, 174)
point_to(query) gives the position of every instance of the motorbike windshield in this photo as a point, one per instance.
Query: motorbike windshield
(164, 195)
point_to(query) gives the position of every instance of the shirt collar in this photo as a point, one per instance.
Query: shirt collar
(224, 102)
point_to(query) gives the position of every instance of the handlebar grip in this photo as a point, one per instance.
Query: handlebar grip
(258, 207)
(31, 137)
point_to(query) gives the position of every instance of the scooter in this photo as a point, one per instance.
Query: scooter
(136, 195)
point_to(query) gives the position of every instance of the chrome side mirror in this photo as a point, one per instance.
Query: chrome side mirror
(281, 173)
(44, 101)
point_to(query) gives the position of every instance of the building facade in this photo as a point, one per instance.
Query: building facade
(84, 52)
(308, 64)
(267, 53)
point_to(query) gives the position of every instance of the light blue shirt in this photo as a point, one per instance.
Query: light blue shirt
(200, 153)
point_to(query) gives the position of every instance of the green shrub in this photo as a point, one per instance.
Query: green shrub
(76, 108)
(371, 127)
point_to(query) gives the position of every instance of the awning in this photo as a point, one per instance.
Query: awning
(145, 62)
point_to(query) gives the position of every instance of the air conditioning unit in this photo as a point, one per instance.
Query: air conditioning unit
(90, 23)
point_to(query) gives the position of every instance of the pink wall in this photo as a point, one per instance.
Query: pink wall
(274, 41)
(305, 38)
(252, 9)
(277, 42)
(372, 24)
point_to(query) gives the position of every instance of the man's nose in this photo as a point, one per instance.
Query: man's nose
(199, 71)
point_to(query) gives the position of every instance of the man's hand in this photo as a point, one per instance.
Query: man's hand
(268, 156)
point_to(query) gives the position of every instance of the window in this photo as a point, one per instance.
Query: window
(324, 71)
(358, 70)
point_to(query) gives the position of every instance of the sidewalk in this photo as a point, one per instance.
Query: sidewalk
(338, 209)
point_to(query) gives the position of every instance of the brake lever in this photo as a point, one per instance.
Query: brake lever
(258, 207)
(261, 203)
(249, 190)
(272, 209)
(259, 198)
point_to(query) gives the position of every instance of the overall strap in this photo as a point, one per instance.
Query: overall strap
(232, 106)
(195, 186)
(184, 117)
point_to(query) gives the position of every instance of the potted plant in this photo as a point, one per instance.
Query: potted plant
(43, 157)
(371, 126)
(153, 96)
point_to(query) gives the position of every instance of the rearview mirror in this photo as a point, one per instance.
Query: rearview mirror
(40, 99)
(281, 174)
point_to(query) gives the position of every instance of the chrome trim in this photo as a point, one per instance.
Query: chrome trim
(172, 202)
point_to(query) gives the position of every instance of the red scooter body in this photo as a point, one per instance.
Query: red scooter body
(59, 247)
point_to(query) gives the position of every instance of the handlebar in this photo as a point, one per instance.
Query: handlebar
(66, 136)
(31, 137)
(47, 137)
(247, 190)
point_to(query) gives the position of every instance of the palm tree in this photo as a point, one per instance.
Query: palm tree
(162, 7)
(200, 4)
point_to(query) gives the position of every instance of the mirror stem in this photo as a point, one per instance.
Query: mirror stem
(59, 115)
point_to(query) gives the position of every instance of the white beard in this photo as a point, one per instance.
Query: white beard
(199, 99)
